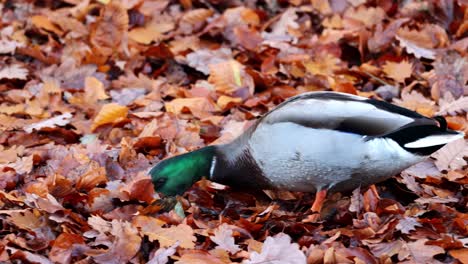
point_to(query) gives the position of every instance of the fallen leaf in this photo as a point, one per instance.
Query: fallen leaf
(416, 102)
(231, 78)
(60, 120)
(460, 254)
(407, 224)
(109, 114)
(199, 257)
(450, 106)
(398, 71)
(14, 71)
(419, 252)
(110, 30)
(452, 155)
(200, 107)
(44, 23)
(161, 256)
(169, 236)
(223, 237)
(278, 250)
(417, 51)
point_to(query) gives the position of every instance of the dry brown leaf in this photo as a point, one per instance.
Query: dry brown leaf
(200, 107)
(14, 71)
(94, 90)
(169, 236)
(417, 51)
(226, 102)
(109, 114)
(231, 78)
(125, 243)
(452, 155)
(419, 252)
(93, 176)
(199, 257)
(110, 30)
(64, 247)
(398, 71)
(368, 16)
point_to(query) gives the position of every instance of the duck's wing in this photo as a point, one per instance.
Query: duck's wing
(367, 117)
(345, 112)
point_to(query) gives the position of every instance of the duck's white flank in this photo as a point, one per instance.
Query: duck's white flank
(433, 140)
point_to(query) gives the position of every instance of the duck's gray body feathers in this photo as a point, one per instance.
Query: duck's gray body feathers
(325, 140)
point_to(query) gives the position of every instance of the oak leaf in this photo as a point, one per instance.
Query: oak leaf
(419, 252)
(223, 237)
(169, 236)
(199, 257)
(278, 250)
(452, 155)
(416, 102)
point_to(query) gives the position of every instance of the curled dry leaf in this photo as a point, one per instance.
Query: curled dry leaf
(43, 22)
(60, 120)
(109, 114)
(418, 51)
(452, 155)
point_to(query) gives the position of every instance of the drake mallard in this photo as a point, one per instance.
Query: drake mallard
(313, 142)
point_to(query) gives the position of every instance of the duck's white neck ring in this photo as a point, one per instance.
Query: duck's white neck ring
(213, 165)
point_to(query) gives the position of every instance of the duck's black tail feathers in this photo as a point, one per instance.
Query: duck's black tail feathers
(423, 138)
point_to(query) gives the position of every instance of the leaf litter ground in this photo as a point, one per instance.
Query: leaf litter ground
(93, 94)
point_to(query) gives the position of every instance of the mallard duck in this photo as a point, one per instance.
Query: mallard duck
(314, 142)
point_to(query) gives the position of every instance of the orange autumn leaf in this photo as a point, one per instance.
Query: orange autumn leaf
(109, 114)
(44, 23)
(226, 102)
(398, 71)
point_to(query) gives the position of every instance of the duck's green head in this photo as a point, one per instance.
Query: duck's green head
(175, 175)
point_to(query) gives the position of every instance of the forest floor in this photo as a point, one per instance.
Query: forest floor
(94, 93)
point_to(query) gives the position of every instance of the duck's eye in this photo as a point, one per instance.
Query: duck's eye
(159, 182)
